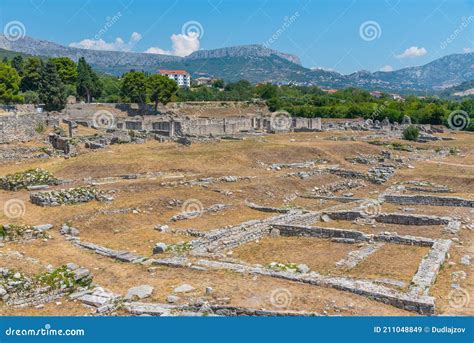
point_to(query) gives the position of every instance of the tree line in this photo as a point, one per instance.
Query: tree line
(35, 80)
(312, 101)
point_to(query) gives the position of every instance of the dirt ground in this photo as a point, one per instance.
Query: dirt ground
(155, 200)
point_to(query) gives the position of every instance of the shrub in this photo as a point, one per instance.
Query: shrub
(411, 133)
(30, 177)
(40, 127)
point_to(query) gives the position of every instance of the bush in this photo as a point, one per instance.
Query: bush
(411, 133)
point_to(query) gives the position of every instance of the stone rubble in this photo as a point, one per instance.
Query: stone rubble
(193, 214)
(22, 233)
(20, 290)
(69, 196)
(355, 257)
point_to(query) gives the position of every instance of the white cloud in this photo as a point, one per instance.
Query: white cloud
(182, 45)
(386, 68)
(466, 50)
(413, 51)
(136, 37)
(117, 45)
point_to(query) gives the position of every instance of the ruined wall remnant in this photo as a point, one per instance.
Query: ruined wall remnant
(21, 127)
(428, 200)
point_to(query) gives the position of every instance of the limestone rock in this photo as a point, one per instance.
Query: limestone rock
(172, 299)
(139, 292)
(303, 268)
(325, 218)
(466, 260)
(184, 288)
(274, 233)
(161, 228)
(160, 248)
(43, 227)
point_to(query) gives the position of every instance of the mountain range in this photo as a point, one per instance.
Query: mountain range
(256, 63)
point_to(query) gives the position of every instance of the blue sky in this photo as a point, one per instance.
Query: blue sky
(324, 33)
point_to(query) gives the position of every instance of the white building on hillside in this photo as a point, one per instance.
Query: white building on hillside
(182, 78)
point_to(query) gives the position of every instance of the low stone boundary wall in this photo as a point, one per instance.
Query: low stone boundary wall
(320, 232)
(429, 267)
(391, 218)
(428, 200)
(157, 309)
(266, 208)
(421, 304)
(123, 256)
(411, 219)
(358, 236)
(227, 238)
(354, 257)
(342, 199)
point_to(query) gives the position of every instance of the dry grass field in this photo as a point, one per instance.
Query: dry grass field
(154, 200)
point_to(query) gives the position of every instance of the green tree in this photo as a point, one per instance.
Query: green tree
(411, 133)
(110, 88)
(161, 89)
(267, 91)
(18, 63)
(9, 85)
(32, 74)
(88, 85)
(67, 69)
(219, 83)
(30, 97)
(134, 87)
(52, 91)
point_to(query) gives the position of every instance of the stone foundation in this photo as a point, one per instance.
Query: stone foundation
(428, 200)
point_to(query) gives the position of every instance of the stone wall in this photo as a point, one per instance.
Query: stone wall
(21, 127)
(320, 232)
(217, 108)
(303, 124)
(391, 218)
(342, 235)
(216, 126)
(428, 200)
(87, 111)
